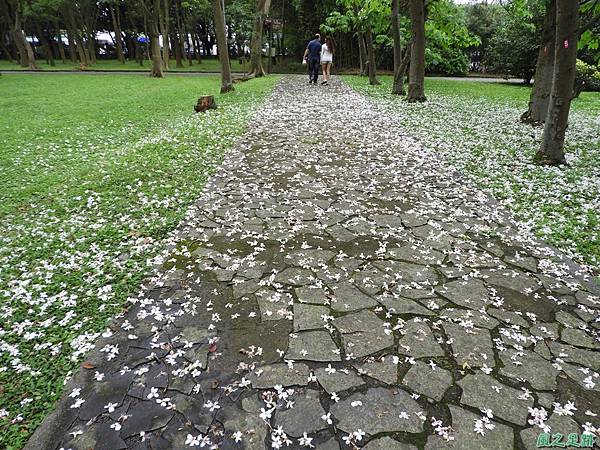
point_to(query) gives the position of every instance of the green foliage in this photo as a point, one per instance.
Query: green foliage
(587, 79)
(448, 39)
(513, 48)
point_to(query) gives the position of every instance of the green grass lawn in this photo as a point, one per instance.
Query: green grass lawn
(207, 65)
(475, 125)
(96, 171)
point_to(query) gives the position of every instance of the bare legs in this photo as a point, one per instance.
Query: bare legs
(326, 67)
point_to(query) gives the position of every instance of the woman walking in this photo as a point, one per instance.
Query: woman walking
(327, 51)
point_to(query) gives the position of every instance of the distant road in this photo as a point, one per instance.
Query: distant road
(206, 74)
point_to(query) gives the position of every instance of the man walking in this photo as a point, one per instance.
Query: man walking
(312, 55)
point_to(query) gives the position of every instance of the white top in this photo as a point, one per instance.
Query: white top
(326, 55)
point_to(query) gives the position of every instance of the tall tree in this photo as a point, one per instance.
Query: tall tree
(165, 19)
(256, 45)
(371, 55)
(154, 18)
(222, 47)
(114, 12)
(398, 86)
(416, 73)
(551, 150)
(27, 54)
(544, 70)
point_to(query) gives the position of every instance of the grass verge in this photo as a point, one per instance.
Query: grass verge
(96, 171)
(475, 125)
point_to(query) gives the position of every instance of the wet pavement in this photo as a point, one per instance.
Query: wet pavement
(338, 286)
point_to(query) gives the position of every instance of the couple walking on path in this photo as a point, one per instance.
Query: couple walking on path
(316, 54)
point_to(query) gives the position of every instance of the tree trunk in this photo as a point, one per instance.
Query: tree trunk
(256, 43)
(177, 49)
(24, 44)
(165, 35)
(6, 50)
(416, 74)
(222, 49)
(61, 47)
(157, 63)
(72, 49)
(362, 55)
(565, 56)
(118, 34)
(544, 69)
(45, 44)
(371, 53)
(398, 86)
(197, 49)
(73, 31)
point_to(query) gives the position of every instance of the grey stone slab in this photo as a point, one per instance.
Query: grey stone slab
(500, 437)
(587, 379)
(483, 391)
(363, 333)
(472, 346)
(378, 412)
(569, 320)
(579, 338)
(413, 219)
(399, 305)
(280, 374)
(145, 416)
(433, 382)
(346, 297)
(304, 417)
(418, 341)
(529, 366)
(308, 317)
(523, 262)
(254, 429)
(470, 318)
(309, 257)
(312, 295)
(384, 370)
(243, 288)
(546, 330)
(568, 353)
(511, 279)
(471, 293)
(388, 221)
(416, 254)
(508, 317)
(313, 346)
(387, 443)
(295, 276)
(338, 381)
(370, 280)
(273, 305)
(406, 272)
(558, 424)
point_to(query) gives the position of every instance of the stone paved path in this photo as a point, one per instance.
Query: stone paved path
(337, 286)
